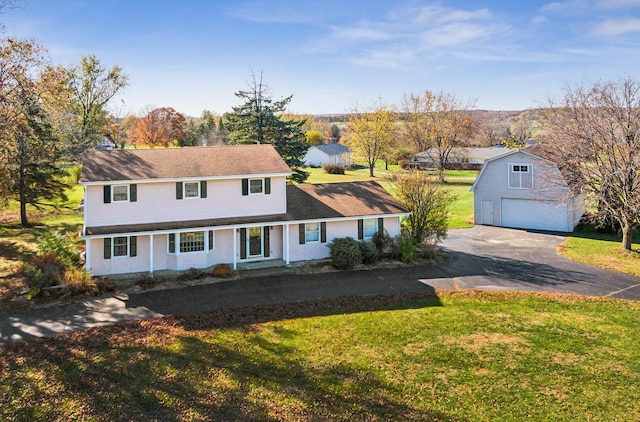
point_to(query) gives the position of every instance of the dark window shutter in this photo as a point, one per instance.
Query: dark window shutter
(133, 193)
(267, 247)
(360, 229)
(245, 187)
(267, 185)
(380, 225)
(133, 246)
(203, 189)
(210, 240)
(178, 190)
(107, 248)
(323, 232)
(172, 243)
(301, 234)
(106, 190)
(243, 243)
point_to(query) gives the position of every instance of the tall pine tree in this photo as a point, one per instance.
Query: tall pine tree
(259, 120)
(30, 152)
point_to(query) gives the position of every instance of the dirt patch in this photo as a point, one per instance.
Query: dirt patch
(477, 341)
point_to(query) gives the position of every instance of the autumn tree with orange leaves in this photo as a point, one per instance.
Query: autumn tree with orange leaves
(159, 128)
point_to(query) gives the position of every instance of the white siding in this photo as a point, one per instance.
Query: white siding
(315, 157)
(156, 202)
(335, 229)
(550, 194)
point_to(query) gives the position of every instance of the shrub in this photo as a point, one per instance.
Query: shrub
(60, 244)
(345, 253)
(428, 251)
(369, 252)
(407, 248)
(383, 241)
(79, 281)
(333, 168)
(222, 270)
(146, 281)
(428, 204)
(191, 274)
(43, 271)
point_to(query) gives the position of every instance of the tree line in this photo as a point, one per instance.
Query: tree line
(50, 115)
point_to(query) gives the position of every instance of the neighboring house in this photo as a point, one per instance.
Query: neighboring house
(106, 144)
(178, 208)
(466, 157)
(319, 155)
(521, 189)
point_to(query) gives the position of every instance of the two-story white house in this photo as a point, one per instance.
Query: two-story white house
(178, 208)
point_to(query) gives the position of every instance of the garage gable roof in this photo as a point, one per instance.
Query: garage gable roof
(500, 157)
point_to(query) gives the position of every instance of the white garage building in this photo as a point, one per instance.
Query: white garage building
(520, 189)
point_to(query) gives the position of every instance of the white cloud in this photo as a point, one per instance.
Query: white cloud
(447, 14)
(457, 34)
(612, 27)
(361, 33)
(538, 20)
(587, 6)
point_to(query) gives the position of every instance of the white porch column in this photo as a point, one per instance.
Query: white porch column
(235, 248)
(87, 254)
(151, 254)
(286, 242)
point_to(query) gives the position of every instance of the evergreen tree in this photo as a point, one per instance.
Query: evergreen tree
(259, 120)
(29, 151)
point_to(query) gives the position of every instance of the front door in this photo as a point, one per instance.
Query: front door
(254, 242)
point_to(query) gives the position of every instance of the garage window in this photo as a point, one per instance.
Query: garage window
(520, 176)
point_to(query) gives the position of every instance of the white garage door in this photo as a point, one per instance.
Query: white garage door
(532, 214)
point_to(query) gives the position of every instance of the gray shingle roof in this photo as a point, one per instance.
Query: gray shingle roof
(334, 200)
(332, 149)
(170, 163)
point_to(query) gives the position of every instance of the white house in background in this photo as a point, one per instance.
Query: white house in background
(520, 189)
(471, 156)
(178, 208)
(319, 155)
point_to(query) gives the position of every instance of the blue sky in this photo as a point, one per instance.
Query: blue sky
(331, 54)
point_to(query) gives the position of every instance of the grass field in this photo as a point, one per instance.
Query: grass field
(602, 250)
(18, 245)
(464, 356)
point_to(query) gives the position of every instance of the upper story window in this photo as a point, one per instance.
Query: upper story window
(256, 186)
(191, 189)
(520, 176)
(120, 193)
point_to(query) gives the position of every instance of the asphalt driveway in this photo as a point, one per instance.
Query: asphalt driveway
(485, 258)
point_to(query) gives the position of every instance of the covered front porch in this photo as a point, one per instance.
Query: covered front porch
(241, 246)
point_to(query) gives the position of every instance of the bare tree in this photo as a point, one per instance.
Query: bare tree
(594, 132)
(436, 123)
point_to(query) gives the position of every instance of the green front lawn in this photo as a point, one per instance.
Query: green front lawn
(602, 250)
(466, 356)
